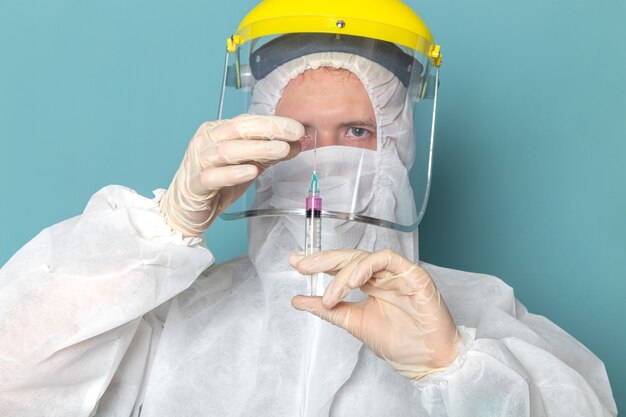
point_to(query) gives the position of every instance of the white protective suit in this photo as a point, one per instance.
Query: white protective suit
(111, 313)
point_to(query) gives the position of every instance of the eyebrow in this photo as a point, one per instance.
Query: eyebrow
(360, 122)
(368, 123)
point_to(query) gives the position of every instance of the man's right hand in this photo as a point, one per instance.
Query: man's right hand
(221, 161)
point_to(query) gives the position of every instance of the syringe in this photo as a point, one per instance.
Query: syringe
(313, 232)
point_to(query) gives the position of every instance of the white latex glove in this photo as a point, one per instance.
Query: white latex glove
(404, 320)
(221, 161)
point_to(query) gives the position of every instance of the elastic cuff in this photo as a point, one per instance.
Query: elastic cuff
(172, 235)
(466, 343)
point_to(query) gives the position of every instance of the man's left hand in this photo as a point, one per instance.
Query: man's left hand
(404, 319)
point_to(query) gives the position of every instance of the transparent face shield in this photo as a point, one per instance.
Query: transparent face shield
(368, 108)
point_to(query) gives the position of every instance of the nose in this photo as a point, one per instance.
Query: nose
(326, 138)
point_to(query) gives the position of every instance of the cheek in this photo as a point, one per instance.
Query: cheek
(371, 143)
(367, 143)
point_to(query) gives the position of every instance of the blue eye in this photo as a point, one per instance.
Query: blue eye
(357, 132)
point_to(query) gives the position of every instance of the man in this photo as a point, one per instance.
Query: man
(119, 311)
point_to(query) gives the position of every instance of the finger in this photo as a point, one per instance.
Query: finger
(360, 270)
(295, 258)
(329, 262)
(232, 152)
(258, 127)
(217, 178)
(337, 289)
(208, 126)
(414, 286)
(336, 262)
(344, 315)
(294, 149)
(378, 264)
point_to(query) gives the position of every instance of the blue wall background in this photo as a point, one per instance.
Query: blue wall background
(530, 167)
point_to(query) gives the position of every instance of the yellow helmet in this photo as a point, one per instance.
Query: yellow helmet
(385, 20)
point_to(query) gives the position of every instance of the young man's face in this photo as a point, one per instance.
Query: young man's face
(333, 106)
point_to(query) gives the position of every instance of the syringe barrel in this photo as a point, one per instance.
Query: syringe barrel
(313, 229)
(313, 240)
